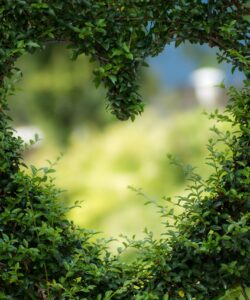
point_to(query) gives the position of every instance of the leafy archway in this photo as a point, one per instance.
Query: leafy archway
(45, 256)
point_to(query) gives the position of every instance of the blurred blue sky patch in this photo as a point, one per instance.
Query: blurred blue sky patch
(174, 66)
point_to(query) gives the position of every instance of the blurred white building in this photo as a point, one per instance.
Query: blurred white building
(28, 133)
(205, 82)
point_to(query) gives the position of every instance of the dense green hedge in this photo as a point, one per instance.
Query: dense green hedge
(42, 254)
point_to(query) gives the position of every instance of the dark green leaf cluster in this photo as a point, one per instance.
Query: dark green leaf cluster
(207, 248)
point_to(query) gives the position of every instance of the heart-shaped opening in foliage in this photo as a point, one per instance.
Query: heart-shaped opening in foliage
(57, 97)
(43, 255)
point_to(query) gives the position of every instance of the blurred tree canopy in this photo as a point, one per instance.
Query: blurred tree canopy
(59, 95)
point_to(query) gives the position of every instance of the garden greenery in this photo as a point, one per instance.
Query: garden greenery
(45, 256)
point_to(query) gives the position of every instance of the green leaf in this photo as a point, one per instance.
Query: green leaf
(113, 78)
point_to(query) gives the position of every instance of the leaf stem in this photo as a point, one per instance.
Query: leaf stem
(244, 293)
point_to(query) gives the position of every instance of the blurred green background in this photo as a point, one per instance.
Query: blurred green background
(102, 157)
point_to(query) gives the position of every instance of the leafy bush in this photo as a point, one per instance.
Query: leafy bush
(44, 256)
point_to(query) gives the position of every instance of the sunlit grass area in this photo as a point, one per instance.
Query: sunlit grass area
(98, 167)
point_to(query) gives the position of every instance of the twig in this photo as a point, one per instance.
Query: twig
(244, 293)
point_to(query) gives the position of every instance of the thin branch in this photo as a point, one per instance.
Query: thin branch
(244, 293)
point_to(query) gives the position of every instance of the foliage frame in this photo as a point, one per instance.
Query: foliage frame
(42, 254)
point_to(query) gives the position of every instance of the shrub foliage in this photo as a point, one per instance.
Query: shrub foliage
(42, 254)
